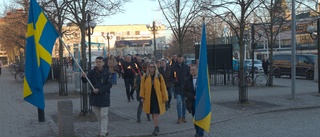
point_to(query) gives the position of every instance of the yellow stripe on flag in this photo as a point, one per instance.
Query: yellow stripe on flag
(27, 91)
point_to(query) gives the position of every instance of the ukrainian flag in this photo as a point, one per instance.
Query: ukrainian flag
(202, 116)
(41, 36)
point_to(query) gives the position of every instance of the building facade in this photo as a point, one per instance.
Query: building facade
(120, 39)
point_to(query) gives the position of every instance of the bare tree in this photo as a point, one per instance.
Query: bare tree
(236, 14)
(271, 16)
(13, 29)
(78, 13)
(180, 15)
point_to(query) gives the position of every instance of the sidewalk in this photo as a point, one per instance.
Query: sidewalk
(19, 118)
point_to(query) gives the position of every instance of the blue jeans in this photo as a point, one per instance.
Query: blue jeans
(170, 90)
(114, 78)
(181, 106)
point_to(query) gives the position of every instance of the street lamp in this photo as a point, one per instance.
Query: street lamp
(89, 26)
(253, 46)
(311, 30)
(154, 28)
(166, 47)
(108, 37)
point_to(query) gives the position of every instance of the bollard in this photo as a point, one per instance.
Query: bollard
(65, 118)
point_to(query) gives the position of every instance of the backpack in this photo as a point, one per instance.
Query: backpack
(136, 82)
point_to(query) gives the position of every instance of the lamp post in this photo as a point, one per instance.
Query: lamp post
(252, 50)
(90, 25)
(84, 95)
(154, 28)
(166, 47)
(253, 46)
(108, 37)
(311, 30)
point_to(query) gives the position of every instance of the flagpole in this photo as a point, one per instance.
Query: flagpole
(76, 62)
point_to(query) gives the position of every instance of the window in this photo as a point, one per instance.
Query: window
(303, 60)
(137, 32)
(128, 32)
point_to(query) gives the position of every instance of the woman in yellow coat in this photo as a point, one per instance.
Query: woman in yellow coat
(153, 93)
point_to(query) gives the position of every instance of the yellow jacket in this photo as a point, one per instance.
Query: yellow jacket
(161, 92)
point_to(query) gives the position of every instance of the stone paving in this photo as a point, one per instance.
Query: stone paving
(19, 118)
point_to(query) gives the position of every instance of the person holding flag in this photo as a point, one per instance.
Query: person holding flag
(100, 77)
(202, 114)
(190, 93)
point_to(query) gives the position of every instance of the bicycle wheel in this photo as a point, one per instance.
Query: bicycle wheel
(13, 70)
(261, 80)
(249, 81)
(236, 80)
(19, 76)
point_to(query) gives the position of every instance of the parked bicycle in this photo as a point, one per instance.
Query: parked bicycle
(261, 80)
(19, 76)
(14, 68)
(248, 79)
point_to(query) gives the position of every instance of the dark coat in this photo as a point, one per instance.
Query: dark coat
(101, 81)
(172, 63)
(190, 93)
(265, 64)
(178, 75)
(166, 75)
(129, 70)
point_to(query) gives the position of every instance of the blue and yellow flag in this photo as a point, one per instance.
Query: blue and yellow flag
(41, 36)
(202, 116)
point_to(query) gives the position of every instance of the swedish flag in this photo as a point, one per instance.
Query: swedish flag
(41, 36)
(202, 116)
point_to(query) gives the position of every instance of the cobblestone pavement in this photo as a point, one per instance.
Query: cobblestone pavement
(290, 123)
(266, 107)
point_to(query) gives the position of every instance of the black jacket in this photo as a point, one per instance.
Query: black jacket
(190, 93)
(129, 69)
(178, 75)
(166, 75)
(101, 81)
(265, 64)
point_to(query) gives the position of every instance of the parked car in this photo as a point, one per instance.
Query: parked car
(247, 65)
(257, 65)
(236, 64)
(304, 65)
(190, 61)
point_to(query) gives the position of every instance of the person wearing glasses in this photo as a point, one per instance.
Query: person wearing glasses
(153, 93)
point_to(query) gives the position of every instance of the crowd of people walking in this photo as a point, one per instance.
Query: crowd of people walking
(155, 82)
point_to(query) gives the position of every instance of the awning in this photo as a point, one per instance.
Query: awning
(132, 42)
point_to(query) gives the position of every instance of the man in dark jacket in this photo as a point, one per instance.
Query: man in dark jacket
(265, 65)
(129, 71)
(190, 92)
(173, 60)
(179, 73)
(100, 94)
(165, 71)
